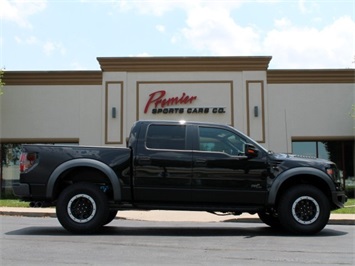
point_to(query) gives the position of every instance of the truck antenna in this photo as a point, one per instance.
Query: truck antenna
(286, 133)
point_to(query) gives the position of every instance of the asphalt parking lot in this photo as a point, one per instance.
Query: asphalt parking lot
(42, 241)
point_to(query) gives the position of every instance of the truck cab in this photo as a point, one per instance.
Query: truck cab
(178, 165)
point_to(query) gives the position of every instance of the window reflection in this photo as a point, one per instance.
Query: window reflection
(306, 148)
(220, 140)
(339, 152)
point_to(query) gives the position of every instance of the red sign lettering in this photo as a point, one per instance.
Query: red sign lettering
(157, 98)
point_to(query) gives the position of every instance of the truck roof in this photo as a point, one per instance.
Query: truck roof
(181, 122)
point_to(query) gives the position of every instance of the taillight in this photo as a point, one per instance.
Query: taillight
(27, 160)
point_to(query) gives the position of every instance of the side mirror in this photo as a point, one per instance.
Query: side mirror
(250, 150)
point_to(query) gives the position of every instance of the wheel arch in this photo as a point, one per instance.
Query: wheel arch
(87, 164)
(300, 175)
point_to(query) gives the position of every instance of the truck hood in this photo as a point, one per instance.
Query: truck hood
(293, 160)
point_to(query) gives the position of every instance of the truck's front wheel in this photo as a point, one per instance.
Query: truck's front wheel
(304, 209)
(82, 208)
(270, 219)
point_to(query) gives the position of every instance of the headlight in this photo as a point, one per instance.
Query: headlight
(333, 172)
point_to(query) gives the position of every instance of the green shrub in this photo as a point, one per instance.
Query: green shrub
(350, 191)
(7, 193)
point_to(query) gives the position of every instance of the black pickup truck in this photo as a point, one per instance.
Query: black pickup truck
(171, 165)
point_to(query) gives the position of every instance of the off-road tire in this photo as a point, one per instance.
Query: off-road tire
(82, 208)
(270, 220)
(111, 217)
(304, 209)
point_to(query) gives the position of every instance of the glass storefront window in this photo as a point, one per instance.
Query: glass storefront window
(10, 156)
(306, 148)
(322, 151)
(340, 152)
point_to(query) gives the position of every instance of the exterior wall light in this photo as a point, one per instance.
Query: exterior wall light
(113, 112)
(256, 111)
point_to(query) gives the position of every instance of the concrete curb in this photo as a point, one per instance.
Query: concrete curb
(169, 216)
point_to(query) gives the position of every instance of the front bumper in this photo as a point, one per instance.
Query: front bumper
(339, 198)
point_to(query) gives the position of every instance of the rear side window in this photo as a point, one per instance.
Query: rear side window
(171, 137)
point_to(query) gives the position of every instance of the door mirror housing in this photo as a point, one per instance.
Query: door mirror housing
(250, 150)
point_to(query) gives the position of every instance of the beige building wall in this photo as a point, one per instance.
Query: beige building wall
(99, 107)
(62, 113)
(308, 105)
(51, 107)
(309, 111)
(219, 85)
(40, 111)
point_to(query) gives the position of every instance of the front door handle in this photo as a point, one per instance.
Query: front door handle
(143, 160)
(200, 162)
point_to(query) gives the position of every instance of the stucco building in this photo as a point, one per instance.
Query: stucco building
(301, 111)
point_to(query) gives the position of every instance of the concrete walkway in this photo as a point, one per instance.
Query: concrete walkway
(169, 216)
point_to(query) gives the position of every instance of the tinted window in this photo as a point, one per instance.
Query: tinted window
(220, 140)
(166, 137)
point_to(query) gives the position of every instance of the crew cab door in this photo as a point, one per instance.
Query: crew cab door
(222, 173)
(162, 164)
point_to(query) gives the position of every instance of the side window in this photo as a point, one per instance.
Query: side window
(220, 140)
(171, 137)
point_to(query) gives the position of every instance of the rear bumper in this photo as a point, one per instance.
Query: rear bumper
(21, 190)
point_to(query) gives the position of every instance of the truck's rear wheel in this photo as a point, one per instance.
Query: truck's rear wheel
(111, 217)
(304, 209)
(82, 208)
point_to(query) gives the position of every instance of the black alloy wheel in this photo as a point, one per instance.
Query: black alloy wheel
(304, 209)
(82, 208)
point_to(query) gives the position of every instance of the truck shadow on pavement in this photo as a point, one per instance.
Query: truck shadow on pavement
(173, 231)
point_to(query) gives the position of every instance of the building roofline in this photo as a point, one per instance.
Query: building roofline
(52, 77)
(177, 64)
(303, 76)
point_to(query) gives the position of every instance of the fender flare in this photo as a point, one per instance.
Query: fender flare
(284, 176)
(85, 163)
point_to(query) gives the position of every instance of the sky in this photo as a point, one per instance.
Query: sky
(71, 34)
